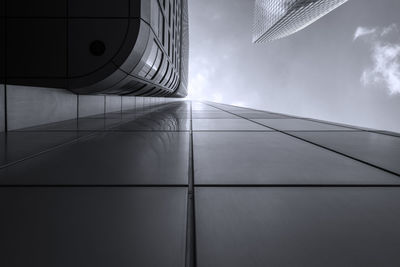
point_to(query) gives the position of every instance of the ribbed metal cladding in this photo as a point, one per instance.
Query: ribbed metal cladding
(165, 58)
(275, 19)
(184, 68)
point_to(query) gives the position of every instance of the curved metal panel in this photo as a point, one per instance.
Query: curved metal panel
(108, 52)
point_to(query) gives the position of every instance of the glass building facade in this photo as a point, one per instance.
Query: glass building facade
(275, 19)
(183, 184)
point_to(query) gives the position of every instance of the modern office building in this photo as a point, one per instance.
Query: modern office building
(112, 47)
(98, 169)
(275, 19)
(68, 58)
(199, 184)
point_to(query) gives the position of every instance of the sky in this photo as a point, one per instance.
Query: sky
(343, 68)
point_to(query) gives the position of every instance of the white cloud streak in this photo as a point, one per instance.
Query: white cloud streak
(389, 29)
(385, 56)
(362, 31)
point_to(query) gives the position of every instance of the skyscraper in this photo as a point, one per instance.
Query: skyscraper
(275, 19)
(89, 47)
(116, 177)
(202, 184)
(65, 59)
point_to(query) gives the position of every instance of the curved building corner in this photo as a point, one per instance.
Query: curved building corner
(136, 47)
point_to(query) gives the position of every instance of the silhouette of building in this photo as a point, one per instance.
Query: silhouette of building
(275, 19)
(110, 47)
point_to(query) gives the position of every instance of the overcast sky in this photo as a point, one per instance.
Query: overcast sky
(343, 68)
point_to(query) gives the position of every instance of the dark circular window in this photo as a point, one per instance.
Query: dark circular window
(97, 48)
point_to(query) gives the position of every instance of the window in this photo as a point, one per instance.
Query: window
(150, 60)
(169, 14)
(161, 27)
(154, 19)
(157, 63)
(169, 74)
(169, 43)
(166, 73)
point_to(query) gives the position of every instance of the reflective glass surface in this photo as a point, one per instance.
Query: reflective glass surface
(300, 125)
(297, 227)
(93, 226)
(275, 158)
(183, 183)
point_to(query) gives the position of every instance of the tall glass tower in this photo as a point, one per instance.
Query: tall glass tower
(275, 19)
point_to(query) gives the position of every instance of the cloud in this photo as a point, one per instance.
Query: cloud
(389, 29)
(386, 68)
(362, 31)
(385, 56)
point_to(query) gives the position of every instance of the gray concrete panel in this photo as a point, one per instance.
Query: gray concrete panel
(93, 226)
(260, 227)
(275, 158)
(90, 105)
(113, 103)
(259, 115)
(83, 124)
(128, 102)
(30, 106)
(227, 125)
(300, 125)
(379, 149)
(147, 123)
(139, 103)
(213, 115)
(120, 158)
(16, 145)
